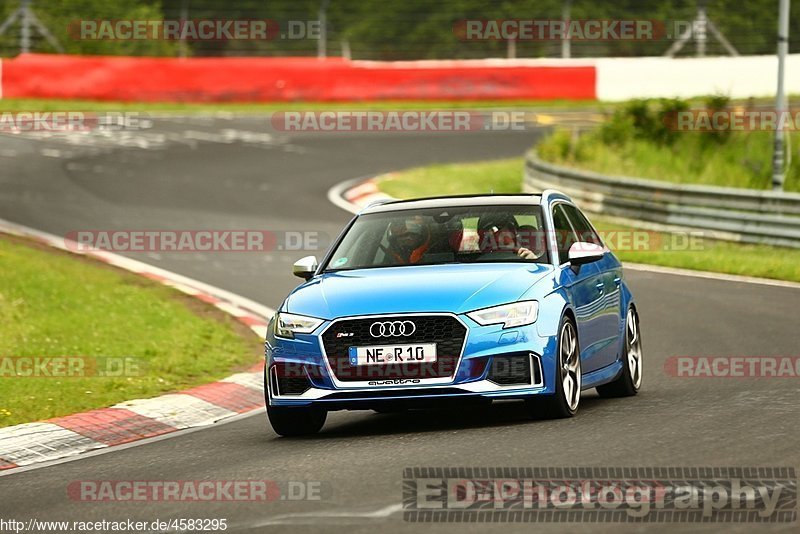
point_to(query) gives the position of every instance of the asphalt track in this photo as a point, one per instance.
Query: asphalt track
(233, 173)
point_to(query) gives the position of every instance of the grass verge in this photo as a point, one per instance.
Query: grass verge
(46, 104)
(40, 104)
(642, 139)
(504, 176)
(744, 161)
(55, 305)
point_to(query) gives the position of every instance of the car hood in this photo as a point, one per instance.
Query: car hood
(426, 288)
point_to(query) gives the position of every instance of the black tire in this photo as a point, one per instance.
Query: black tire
(557, 406)
(300, 421)
(630, 380)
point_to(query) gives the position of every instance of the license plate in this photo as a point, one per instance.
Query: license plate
(386, 354)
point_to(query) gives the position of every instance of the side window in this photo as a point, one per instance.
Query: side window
(581, 225)
(565, 236)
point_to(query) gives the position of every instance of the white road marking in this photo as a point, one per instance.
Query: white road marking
(146, 140)
(319, 517)
(657, 269)
(51, 152)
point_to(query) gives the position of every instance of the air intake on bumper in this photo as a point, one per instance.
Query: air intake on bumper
(522, 368)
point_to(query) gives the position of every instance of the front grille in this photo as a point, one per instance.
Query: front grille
(510, 369)
(446, 331)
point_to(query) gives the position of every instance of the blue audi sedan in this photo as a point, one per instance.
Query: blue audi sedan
(461, 300)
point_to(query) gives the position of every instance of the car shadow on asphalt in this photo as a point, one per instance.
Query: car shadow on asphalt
(498, 414)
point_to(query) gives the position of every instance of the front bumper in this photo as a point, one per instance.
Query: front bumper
(475, 377)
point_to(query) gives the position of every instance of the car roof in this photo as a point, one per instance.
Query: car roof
(454, 201)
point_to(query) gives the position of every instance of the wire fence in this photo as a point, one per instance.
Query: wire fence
(412, 29)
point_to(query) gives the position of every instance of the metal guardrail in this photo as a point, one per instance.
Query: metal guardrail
(726, 213)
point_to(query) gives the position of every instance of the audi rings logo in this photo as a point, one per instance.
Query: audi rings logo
(392, 329)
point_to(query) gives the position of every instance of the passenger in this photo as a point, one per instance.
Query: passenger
(500, 232)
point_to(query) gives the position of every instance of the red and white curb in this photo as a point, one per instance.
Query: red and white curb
(363, 194)
(62, 437)
(353, 195)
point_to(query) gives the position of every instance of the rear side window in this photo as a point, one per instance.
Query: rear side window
(565, 236)
(581, 225)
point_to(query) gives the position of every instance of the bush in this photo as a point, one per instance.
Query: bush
(618, 130)
(639, 119)
(558, 146)
(665, 133)
(639, 139)
(713, 104)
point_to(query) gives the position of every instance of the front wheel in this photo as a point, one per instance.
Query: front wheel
(630, 380)
(299, 421)
(564, 403)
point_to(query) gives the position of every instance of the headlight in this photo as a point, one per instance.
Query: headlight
(509, 315)
(289, 324)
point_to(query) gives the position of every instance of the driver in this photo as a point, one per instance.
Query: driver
(500, 232)
(409, 240)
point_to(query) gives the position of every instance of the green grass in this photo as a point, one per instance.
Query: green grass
(37, 104)
(745, 160)
(505, 176)
(501, 176)
(45, 104)
(54, 304)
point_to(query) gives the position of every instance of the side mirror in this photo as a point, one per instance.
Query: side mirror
(581, 253)
(305, 267)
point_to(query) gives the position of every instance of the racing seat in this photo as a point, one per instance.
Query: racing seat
(445, 241)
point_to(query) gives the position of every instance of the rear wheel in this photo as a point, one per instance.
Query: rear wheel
(630, 380)
(299, 421)
(567, 397)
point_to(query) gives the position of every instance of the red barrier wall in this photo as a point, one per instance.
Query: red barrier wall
(287, 79)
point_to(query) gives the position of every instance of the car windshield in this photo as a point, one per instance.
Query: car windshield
(433, 236)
